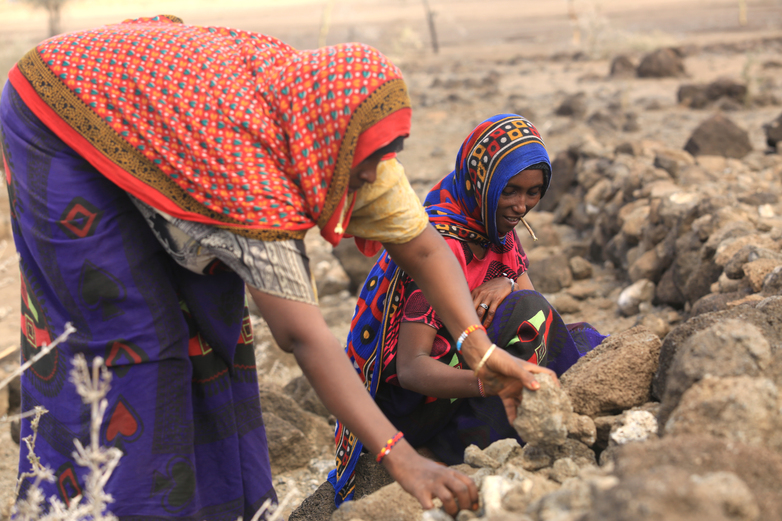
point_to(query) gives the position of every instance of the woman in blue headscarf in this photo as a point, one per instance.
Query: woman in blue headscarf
(409, 362)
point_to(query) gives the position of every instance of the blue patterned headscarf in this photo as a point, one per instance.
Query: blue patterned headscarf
(463, 204)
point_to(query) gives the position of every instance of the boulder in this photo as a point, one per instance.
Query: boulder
(727, 348)
(737, 408)
(580, 267)
(734, 268)
(759, 468)
(719, 136)
(574, 106)
(563, 173)
(634, 295)
(773, 132)
(622, 67)
(675, 495)
(673, 161)
(614, 376)
(549, 272)
(289, 448)
(302, 393)
(757, 271)
(723, 89)
(765, 315)
(566, 304)
(667, 292)
(390, 503)
(662, 63)
(543, 416)
(649, 266)
(318, 434)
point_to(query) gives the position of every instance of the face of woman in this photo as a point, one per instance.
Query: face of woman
(519, 196)
(364, 172)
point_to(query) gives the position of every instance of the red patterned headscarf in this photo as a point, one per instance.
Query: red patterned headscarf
(215, 125)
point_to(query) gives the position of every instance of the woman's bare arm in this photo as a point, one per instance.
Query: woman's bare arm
(300, 329)
(430, 262)
(418, 371)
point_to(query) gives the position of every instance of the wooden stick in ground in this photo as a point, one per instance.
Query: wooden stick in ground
(534, 238)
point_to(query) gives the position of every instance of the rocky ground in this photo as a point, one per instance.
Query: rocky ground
(663, 227)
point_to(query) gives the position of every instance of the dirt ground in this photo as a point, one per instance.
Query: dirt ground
(494, 56)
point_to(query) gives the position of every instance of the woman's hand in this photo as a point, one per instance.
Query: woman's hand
(488, 296)
(425, 479)
(505, 375)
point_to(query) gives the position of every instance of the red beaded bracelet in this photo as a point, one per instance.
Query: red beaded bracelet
(480, 389)
(389, 445)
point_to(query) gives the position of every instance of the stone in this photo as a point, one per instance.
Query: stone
(493, 488)
(667, 292)
(757, 271)
(556, 274)
(582, 428)
(543, 415)
(632, 296)
(734, 268)
(634, 222)
(583, 290)
(573, 106)
(603, 426)
(700, 280)
(673, 161)
(563, 469)
(302, 393)
(772, 285)
(390, 503)
(699, 455)
(693, 96)
(288, 446)
(569, 503)
(631, 148)
(773, 132)
(565, 304)
(622, 67)
(737, 408)
(355, 264)
(727, 348)
(655, 324)
(315, 428)
(478, 458)
(563, 174)
(317, 507)
(614, 376)
(729, 247)
(662, 63)
(371, 476)
(719, 136)
(633, 426)
(674, 494)
(527, 487)
(502, 450)
(580, 267)
(649, 266)
(533, 458)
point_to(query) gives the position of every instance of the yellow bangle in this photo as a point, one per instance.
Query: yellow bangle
(486, 356)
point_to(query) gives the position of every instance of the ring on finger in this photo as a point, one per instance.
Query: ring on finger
(484, 306)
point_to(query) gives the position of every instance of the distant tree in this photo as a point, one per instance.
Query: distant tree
(53, 8)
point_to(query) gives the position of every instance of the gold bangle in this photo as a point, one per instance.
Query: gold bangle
(486, 356)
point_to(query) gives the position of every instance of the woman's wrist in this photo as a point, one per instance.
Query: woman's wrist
(474, 347)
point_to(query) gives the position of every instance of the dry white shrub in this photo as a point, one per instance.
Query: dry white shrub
(92, 384)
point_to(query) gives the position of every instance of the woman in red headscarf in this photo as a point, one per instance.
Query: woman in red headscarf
(154, 169)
